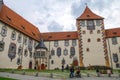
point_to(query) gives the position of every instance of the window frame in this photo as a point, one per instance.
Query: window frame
(90, 25)
(56, 44)
(66, 42)
(4, 31)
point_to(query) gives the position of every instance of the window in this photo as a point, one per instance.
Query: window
(52, 61)
(98, 40)
(18, 61)
(91, 31)
(56, 43)
(52, 52)
(72, 51)
(90, 25)
(13, 36)
(98, 31)
(74, 42)
(65, 52)
(117, 65)
(12, 51)
(66, 42)
(19, 38)
(82, 23)
(84, 32)
(63, 61)
(115, 57)
(119, 49)
(114, 40)
(98, 23)
(25, 53)
(30, 55)
(89, 40)
(59, 52)
(30, 42)
(2, 45)
(87, 49)
(4, 31)
(25, 40)
(20, 50)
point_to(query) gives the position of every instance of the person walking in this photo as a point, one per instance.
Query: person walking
(72, 72)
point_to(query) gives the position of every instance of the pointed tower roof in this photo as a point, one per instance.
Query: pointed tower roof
(88, 14)
(41, 45)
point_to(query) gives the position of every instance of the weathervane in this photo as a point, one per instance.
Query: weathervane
(86, 4)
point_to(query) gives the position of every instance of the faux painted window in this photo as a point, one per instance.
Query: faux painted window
(52, 52)
(25, 53)
(114, 40)
(13, 35)
(65, 52)
(82, 23)
(119, 49)
(20, 49)
(2, 45)
(30, 42)
(12, 51)
(72, 51)
(66, 42)
(25, 40)
(59, 52)
(19, 38)
(74, 42)
(18, 61)
(90, 25)
(4, 31)
(56, 43)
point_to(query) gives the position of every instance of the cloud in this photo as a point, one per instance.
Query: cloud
(55, 27)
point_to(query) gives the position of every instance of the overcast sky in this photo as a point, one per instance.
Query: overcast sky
(60, 15)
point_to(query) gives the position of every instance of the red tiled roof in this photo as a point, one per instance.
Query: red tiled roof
(88, 14)
(50, 36)
(17, 22)
(112, 32)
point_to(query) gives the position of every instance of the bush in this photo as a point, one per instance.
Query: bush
(94, 67)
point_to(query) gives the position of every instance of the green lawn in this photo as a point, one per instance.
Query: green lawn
(2, 78)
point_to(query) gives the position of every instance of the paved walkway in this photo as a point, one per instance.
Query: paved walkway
(26, 77)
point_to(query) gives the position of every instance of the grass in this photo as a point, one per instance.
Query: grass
(46, 73)
(3, 78)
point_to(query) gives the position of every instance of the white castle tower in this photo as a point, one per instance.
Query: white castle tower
(91, 39)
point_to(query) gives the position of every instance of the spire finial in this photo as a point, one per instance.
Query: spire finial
(86, 4)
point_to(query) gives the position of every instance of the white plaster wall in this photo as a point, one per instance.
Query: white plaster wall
(57, 60)
(95, 55)
(113, 49)
(5, 61)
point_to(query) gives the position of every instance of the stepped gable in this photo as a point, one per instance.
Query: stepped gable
(88, 14)
(17, 22)
(50, 36)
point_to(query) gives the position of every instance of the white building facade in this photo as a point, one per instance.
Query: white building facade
(90, 45)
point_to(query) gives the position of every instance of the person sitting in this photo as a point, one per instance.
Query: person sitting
(78, 74)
